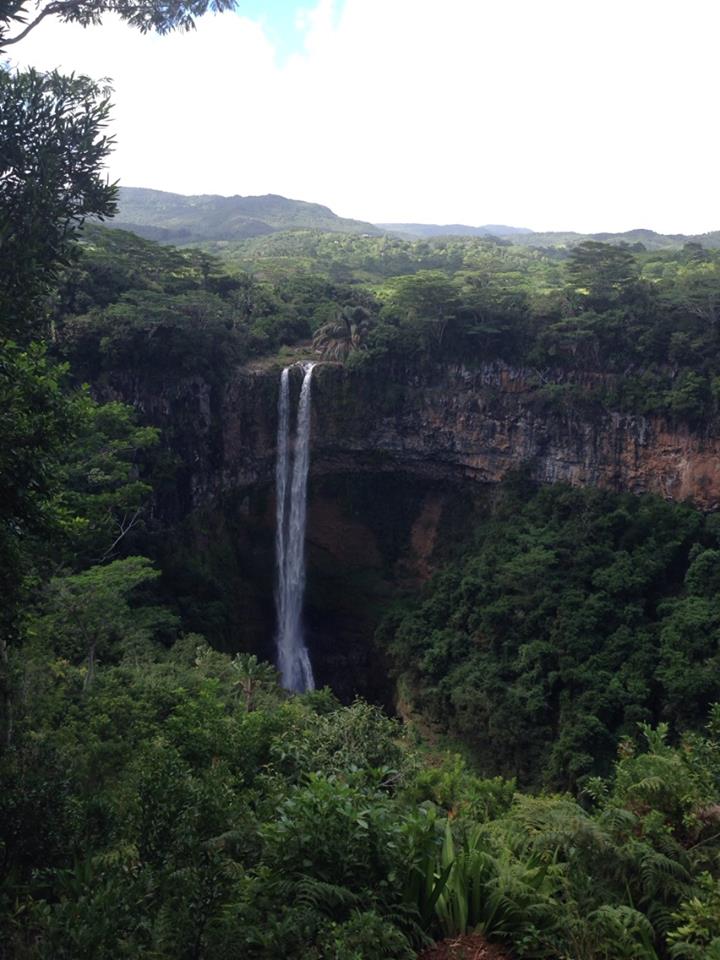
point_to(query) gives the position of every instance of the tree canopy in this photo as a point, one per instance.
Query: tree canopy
(52, 150)
(18, 17)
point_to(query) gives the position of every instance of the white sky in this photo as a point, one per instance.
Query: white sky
(549, 114)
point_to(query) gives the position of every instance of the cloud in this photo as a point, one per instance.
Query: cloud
(544, 113)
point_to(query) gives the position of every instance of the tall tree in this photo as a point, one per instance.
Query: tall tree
(52, 148)
(36, 420)
(601, 274)
(91, 613)
(428, 299)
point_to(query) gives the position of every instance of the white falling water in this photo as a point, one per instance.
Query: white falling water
(291, 511)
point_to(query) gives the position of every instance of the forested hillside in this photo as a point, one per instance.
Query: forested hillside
(172, 218)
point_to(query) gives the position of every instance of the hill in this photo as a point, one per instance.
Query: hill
(639, 238)
(210, 218)
(174, 218)
(452, 230)
(649, 239)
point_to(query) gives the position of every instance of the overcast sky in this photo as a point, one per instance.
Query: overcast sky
(548, 114)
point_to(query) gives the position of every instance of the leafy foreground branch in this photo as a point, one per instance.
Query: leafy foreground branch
(18, 18)
(184, 807)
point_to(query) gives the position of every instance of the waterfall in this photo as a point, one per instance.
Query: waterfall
(291, 510)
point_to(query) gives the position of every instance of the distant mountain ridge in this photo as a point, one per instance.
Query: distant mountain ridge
(650, 239)
(452, 230)
(174, 218)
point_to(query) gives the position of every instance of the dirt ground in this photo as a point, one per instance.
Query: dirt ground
(469, 947)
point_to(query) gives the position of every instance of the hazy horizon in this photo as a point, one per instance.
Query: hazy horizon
(546, 115)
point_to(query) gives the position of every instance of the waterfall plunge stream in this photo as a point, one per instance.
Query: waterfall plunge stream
(291, 510)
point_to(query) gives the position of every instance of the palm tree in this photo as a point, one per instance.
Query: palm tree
(251, 676)
(337, 338)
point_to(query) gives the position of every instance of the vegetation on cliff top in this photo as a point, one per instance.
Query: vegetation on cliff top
(646, 322)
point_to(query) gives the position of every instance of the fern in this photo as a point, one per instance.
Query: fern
(661, 876)
(627, 933)
(328, 899)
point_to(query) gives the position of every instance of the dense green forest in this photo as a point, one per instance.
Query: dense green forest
(644, 323)
(552, 777)
(574, 616)
(183, 806)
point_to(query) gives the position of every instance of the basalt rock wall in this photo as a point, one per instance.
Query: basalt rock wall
(452, 422)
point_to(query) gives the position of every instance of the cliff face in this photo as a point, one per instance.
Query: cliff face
(449, 422)
(402, 460)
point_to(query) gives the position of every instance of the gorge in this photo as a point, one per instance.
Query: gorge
(404, 456)
(359, 583)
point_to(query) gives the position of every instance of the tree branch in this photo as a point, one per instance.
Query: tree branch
(50, 9)
(9, 41)
(125, 528)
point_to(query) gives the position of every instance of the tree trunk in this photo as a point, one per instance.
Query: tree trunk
(5, 694)
(90, 675)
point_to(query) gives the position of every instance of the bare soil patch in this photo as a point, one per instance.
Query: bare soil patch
(471, 946)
